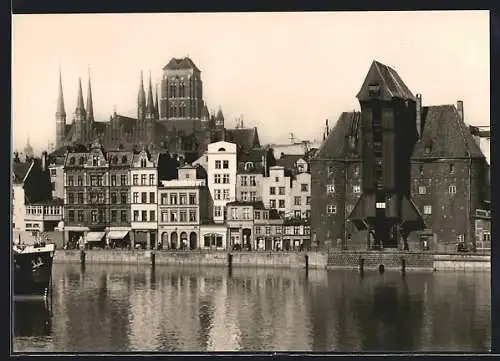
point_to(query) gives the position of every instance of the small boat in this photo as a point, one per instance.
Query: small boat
(32, 269)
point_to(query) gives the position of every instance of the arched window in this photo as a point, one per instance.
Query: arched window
(95, 160)
(222, 149)
(248, 165)
(143, 163)
(71, 160)
(115, 159)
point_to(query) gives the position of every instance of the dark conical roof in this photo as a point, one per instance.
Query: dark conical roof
(90, 106)
(60, 99)
(79, 101)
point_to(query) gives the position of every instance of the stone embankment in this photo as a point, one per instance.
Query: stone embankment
(389, 260)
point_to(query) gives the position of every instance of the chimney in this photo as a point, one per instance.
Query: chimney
(460, 109)
(44, 161)
(418, 117)
(327, 128)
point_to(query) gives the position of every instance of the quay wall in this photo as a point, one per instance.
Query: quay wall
(196, 258)
(314, 260)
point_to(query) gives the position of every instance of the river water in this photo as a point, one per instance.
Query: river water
(132, 308)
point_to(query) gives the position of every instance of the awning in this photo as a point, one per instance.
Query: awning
(117, 234)
(95, 236)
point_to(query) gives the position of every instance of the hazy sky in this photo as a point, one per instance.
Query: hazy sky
(285, 72)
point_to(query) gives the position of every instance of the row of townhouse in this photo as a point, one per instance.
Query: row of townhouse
(118, 197)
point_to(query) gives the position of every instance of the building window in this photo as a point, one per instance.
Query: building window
(296, 214)
(281, 191)
(268, 230)
(225, 195)
(331, 209)
(143, 179)
(71, 198)
(123, 180)
(143, 163)
(151, 179)
(422, 190)
(243, 181)
(272, 190)
(192, 215)
(256, 215)
(272, 203)
(246, 213)
(217, 211)
(95, 161)
(183, 198)
(183, 216)
(244, 196)
(163, 198)
(380, 205)
(136, 216)
(114, 215)
(452, 168)
(257, 230)
(71, 215)
(164, 216)
(173, 216)
(253, 196)
(114, 198)
(144, 216)
(70, 180)
(144, 197)
(308, 214)
(421, 169)
(307, 230)
(113, 180)
(173, 199)
(136, 197)
(427, 209)
(252, 181)
(80, 216)
(297, 200)
(123, 198)
(304, 187)
(93, 216)
(356, 189)
(151, 197)
(217, 178)
(330, 170)
(296, 230)
(52, 172)
(356, 171)
(225, 164)
(123, 216)
(225, 179)
(135, 179)
(152, 216)
(80, 198)
(278, 230)
(218, 164)
(79, 180)
(330, 188)
(217, 193)
(277, 179)
(192, 198)
(452, 189)
(265, 215)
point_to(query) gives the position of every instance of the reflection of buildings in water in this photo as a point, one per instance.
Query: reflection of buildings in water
(32, 319)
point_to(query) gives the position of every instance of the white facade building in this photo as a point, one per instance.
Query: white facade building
(143, 192)
(276, 191)
(221, 172)
(300, 195)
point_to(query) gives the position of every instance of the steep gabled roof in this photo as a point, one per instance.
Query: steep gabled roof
(335, 146)
(289, 160)
(390, 84)
(119, 158)
(127, 122)
(246, 138)
(20, 170)
(445, 135)
(181, 63)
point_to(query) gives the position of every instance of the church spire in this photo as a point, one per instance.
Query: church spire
(61, 112)
(90, 107)
(157, 110)
(150, 110)
(141, 100)
(80, 109)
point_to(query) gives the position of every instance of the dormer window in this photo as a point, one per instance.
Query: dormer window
(71, 160)
(248, 165)
(374, 90)
(143, 163)
(81, 161)
(124, 159)
(95, 161)
(115, 160)
(452, 168)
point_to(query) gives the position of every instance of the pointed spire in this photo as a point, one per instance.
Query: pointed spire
(60, 99)
(90, 107)
(79, 101)
(157, 110)
(141, 99)
(150, 109)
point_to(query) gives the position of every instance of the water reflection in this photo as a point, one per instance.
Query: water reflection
(32, 319)
(133, 308)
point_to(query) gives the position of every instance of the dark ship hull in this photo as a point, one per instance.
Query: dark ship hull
(33, 270)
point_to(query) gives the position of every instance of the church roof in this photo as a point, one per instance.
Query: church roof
(181, 63)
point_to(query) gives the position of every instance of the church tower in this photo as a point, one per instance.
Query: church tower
(79, 122)
(141, 102)
(89, 119)
(60, 116)
(150, 116)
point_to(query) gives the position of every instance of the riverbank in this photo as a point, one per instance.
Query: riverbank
(403, 261)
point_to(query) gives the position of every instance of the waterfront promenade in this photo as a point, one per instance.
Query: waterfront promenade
(357, 260)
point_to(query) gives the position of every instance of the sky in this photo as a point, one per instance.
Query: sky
(283, 72)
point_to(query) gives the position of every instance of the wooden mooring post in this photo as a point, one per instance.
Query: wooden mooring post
(82, 258)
